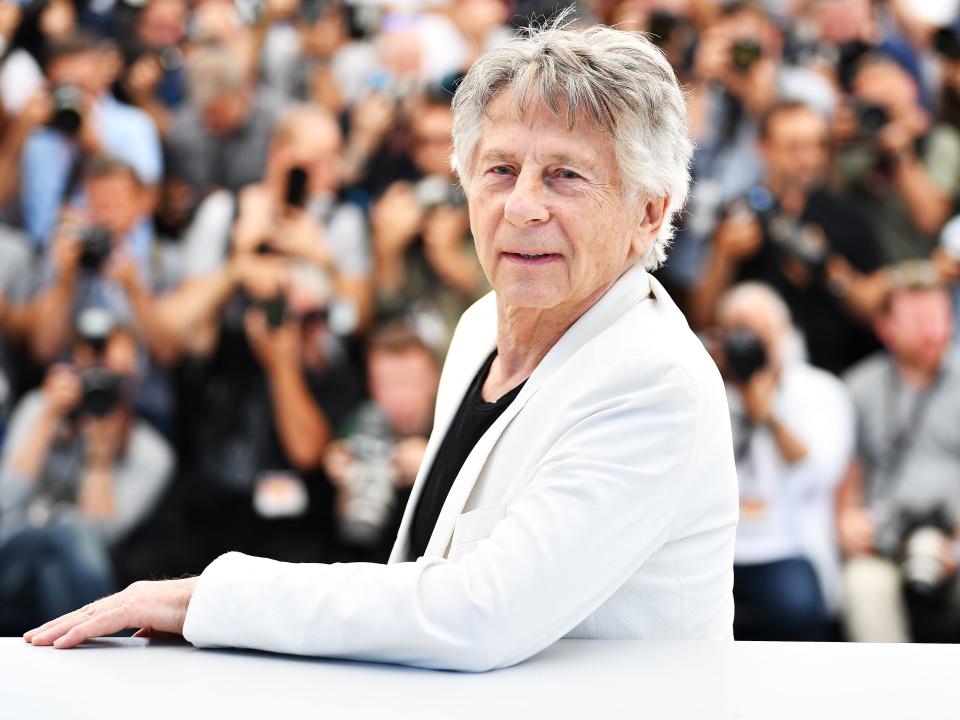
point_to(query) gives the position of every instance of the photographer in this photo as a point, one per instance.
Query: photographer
(220, 136)
(154, 78)
(890, 159)
(425, 266)
(15, 319)
(736, 77)
(793, 429)
(375, 463)
(258, 413)
(78, 475)
(899, 505)
(295, 211)
(82, 120)
(103, 255)
(818, 252)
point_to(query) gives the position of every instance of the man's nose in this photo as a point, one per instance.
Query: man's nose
(526, 204)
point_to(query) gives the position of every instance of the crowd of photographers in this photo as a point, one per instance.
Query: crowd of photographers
(232, 253)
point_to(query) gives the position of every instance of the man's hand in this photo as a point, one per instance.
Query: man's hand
(299, 235)
(143, 78)
(758, 394)
(155, 607)
(273, 347)
(61, 390)
(407, 457)
(396, 219)
(105, 437)
(737, 238)
(856, 531)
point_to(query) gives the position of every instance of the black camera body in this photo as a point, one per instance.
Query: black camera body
(434, 191)
(744, 53)
(745, 353)
(871, 118)
(97, 243)
(804, 242)
(101, 391)
(68, 101)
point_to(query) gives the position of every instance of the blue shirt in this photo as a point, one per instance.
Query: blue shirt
(48, 156)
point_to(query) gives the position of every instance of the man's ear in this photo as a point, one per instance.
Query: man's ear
(652, 214)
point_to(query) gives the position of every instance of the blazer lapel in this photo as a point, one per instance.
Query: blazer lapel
(632, 287)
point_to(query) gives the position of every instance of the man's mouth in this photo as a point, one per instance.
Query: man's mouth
(532, 258)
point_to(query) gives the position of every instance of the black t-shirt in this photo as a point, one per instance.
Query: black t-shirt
(835, 339)
(472, 420)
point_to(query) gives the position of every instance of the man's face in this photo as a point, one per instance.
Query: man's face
(116, 202)
(84, 70)
(540, 188)
(404, 385)
(225, 113)
(795, 148)
(919, 327)
(313, 145)
(162, 23)
(433, 140)
(759, 319)
(888, 85)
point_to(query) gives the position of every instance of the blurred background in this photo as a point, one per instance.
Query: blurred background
(232, 254)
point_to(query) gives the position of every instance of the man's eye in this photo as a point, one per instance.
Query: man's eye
(567, 174)
(501, 170)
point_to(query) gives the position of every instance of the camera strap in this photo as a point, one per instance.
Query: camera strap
(900, 432)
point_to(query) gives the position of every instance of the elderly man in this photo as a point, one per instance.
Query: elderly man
(580, 479)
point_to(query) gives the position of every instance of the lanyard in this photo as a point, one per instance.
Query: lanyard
(899, 435)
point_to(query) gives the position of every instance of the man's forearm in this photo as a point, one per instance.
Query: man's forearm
(302, 426)
(52, 321)
(716, 278)
(161, 338)
(792, 449)
(96, 497)
(927, 205)
(28, 459)
(195, 305)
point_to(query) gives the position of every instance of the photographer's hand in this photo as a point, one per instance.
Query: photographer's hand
(856, 531)
(299, 235)
(276, 348)
(444, 233)
(158, 607)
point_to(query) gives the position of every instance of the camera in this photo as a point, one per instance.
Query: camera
(101, 391)
(745, 353)
(68, 101)
(371, 479)
(295, 194)
(662, 25)
(434, 191)
(915, 539)
(871, 118)
(275, 309)
(801, 241)
(946, 41)
(744, 54)
(97, 244)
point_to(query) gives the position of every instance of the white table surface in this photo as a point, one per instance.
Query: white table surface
(134, 678)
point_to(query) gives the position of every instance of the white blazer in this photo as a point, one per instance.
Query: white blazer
(601, 504)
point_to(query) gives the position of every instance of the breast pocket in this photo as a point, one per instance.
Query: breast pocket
(474, 526)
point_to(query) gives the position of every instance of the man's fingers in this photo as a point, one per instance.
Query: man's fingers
(72, 618)
(109, 622)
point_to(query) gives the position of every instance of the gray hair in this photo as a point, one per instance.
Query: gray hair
(214, 70)
(617, 81)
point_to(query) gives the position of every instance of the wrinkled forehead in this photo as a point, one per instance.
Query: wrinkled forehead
(511, 127)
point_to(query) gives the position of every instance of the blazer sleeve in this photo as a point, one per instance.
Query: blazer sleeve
(599, 503)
